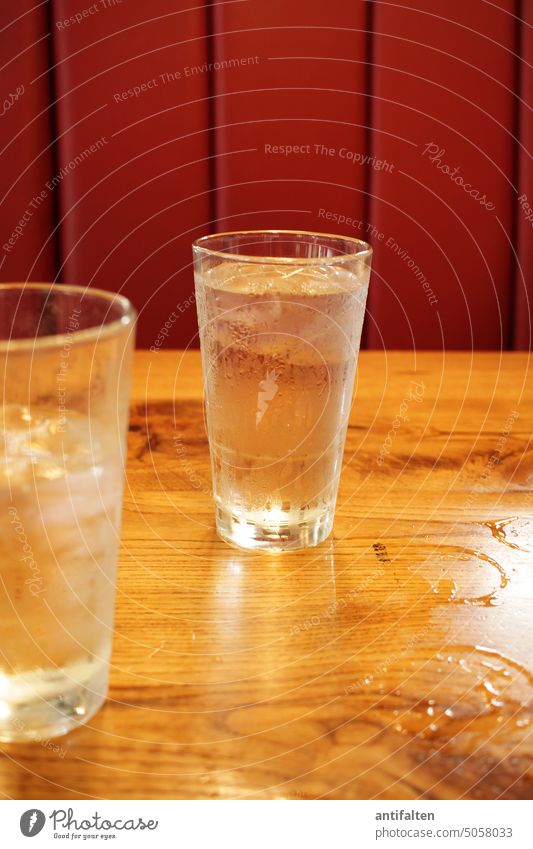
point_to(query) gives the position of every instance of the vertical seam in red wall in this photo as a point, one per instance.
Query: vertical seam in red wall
(52, 115)
(515, 173)
(211, 113)
(369, 51)
(369, 92)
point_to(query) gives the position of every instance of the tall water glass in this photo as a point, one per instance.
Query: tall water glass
(280, 315)
(65, 360)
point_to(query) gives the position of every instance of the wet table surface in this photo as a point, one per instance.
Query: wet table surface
(393, 661)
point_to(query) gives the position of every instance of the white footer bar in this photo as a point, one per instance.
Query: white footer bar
(268, 824)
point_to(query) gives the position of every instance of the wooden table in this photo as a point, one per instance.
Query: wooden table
(393, 661)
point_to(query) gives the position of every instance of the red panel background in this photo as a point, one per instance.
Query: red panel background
(130, 210)
(297, 92)
(25, 152)
(443, 74)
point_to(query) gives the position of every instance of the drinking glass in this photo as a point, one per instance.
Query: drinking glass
(280, 316)
(65, 360)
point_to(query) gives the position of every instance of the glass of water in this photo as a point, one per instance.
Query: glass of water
(65, 360)
(280, 316)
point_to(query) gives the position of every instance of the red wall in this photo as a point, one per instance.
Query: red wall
(27, 239)
(141, 126)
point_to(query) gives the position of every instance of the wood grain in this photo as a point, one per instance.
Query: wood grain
(392, 662)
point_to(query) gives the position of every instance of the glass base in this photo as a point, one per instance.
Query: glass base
(49, 715)
(265, 532)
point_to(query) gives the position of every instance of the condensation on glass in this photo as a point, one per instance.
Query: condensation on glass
(280, 317)
(65, 360)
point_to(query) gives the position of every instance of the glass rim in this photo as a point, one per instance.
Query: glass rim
(87, 334)
(201, 245)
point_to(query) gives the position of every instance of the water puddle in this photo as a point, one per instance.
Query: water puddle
(447, 585)
(479, 691)
(497, 529)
